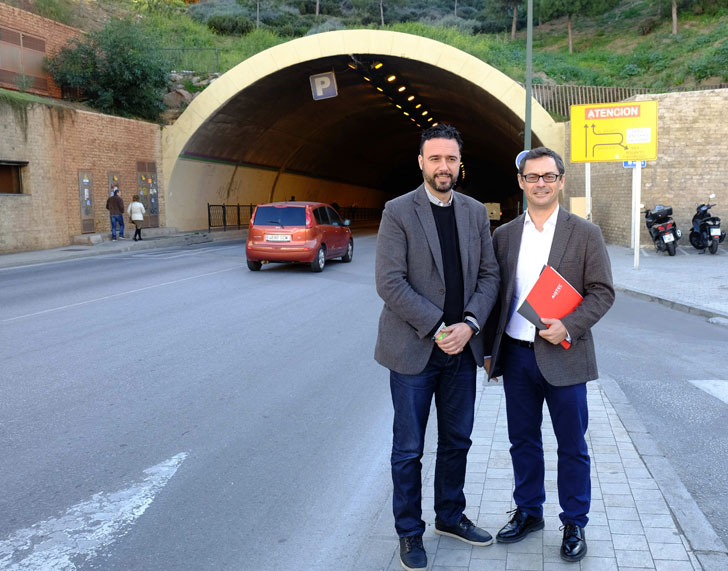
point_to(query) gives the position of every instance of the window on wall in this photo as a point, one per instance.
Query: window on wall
(11, 177)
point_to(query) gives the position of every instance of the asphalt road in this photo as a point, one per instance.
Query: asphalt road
(264, 383)
(169, 409)
(663, 360)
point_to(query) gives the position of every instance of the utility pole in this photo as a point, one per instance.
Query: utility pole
(529, 77)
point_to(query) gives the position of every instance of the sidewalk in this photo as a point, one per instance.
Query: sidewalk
(153, 238)
(642, 516)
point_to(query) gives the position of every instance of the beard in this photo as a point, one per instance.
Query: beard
(441, 184)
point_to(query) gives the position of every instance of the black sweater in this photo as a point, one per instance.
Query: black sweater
(447, 232)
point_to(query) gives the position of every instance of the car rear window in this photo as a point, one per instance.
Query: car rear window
(280, 216)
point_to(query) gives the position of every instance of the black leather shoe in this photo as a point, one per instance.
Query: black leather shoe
(573, 548)
(520, 526)
(465, 530)
(412, 554)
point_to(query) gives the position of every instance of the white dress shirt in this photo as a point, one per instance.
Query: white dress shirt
(532, 257)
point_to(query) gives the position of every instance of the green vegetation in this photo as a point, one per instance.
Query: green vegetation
(621, 43)
(121, 70)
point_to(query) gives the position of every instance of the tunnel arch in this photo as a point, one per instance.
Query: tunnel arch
(256, 133)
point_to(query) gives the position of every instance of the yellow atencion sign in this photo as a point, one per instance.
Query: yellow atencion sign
(614, 132)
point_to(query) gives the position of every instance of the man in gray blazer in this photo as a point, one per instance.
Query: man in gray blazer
(536, 367)
(437, 275)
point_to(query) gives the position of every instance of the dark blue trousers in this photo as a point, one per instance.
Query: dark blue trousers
(525, 390)
(451, 379)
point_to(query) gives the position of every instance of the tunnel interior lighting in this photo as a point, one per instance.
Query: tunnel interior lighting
(401, 95)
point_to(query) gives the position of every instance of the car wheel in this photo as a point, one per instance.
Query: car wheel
(349, 252)
(254, 266)
(319, 261)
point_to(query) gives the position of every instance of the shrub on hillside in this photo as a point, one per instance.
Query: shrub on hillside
(120, 69)
(230, 25)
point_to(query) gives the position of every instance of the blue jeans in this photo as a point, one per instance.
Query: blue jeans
(451, 379)
(117, 218)
(525, 390)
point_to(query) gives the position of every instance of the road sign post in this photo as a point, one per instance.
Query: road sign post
(623, 132)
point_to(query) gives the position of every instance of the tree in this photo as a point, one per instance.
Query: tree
(674, 17)
(549, 9)
(120, 69)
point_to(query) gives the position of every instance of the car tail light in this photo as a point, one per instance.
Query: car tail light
(309, 218)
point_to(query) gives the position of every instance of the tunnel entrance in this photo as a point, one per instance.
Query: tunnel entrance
(257, 134)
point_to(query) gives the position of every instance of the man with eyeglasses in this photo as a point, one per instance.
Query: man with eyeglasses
(537, 368)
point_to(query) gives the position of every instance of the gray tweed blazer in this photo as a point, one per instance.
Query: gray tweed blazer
(410, 279)
(579, 254)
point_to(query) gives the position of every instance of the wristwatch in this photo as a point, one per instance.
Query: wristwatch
(473, 324)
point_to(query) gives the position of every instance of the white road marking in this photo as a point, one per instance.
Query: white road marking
(123, 293)
(54, 544)
(716, 388)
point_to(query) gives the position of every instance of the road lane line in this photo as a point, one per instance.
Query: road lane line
(86, 527)
(714, 387)
(123, 293)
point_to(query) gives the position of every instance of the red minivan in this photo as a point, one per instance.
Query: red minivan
(304, 232)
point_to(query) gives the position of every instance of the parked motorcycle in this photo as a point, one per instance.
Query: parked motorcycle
(706, 232)
(663, 230)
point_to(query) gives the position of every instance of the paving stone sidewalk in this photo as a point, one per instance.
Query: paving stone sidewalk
(631, 525)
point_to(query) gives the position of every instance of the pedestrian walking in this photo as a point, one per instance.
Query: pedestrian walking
(115, 206)
(136, 212)
(438, 277)
(537, 367)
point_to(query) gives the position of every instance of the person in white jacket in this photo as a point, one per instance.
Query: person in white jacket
(136, 212)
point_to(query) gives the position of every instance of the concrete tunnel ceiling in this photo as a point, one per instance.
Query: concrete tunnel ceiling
(262, 114)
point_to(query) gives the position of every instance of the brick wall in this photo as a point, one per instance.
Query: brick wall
(21, 27)
(692, 131)
(58, 142)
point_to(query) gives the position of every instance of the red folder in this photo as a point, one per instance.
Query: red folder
(551, 297)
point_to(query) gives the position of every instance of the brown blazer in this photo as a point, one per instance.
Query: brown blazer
(579, 254)
(410, 278)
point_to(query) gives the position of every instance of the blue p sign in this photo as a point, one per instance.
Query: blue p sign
(323, 85)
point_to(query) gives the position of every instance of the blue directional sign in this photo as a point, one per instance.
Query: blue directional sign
(633, 164)
(519, 157)
(323, 85)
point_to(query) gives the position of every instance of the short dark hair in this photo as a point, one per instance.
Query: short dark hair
(442, 131)
(542, 152)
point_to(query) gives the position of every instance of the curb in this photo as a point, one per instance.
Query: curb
(704, 542)
(701, 311)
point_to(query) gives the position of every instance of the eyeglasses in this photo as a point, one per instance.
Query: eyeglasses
(548, 177)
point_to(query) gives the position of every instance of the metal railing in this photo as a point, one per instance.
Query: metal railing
(558, 99)
(228, 215)
(238, 215)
